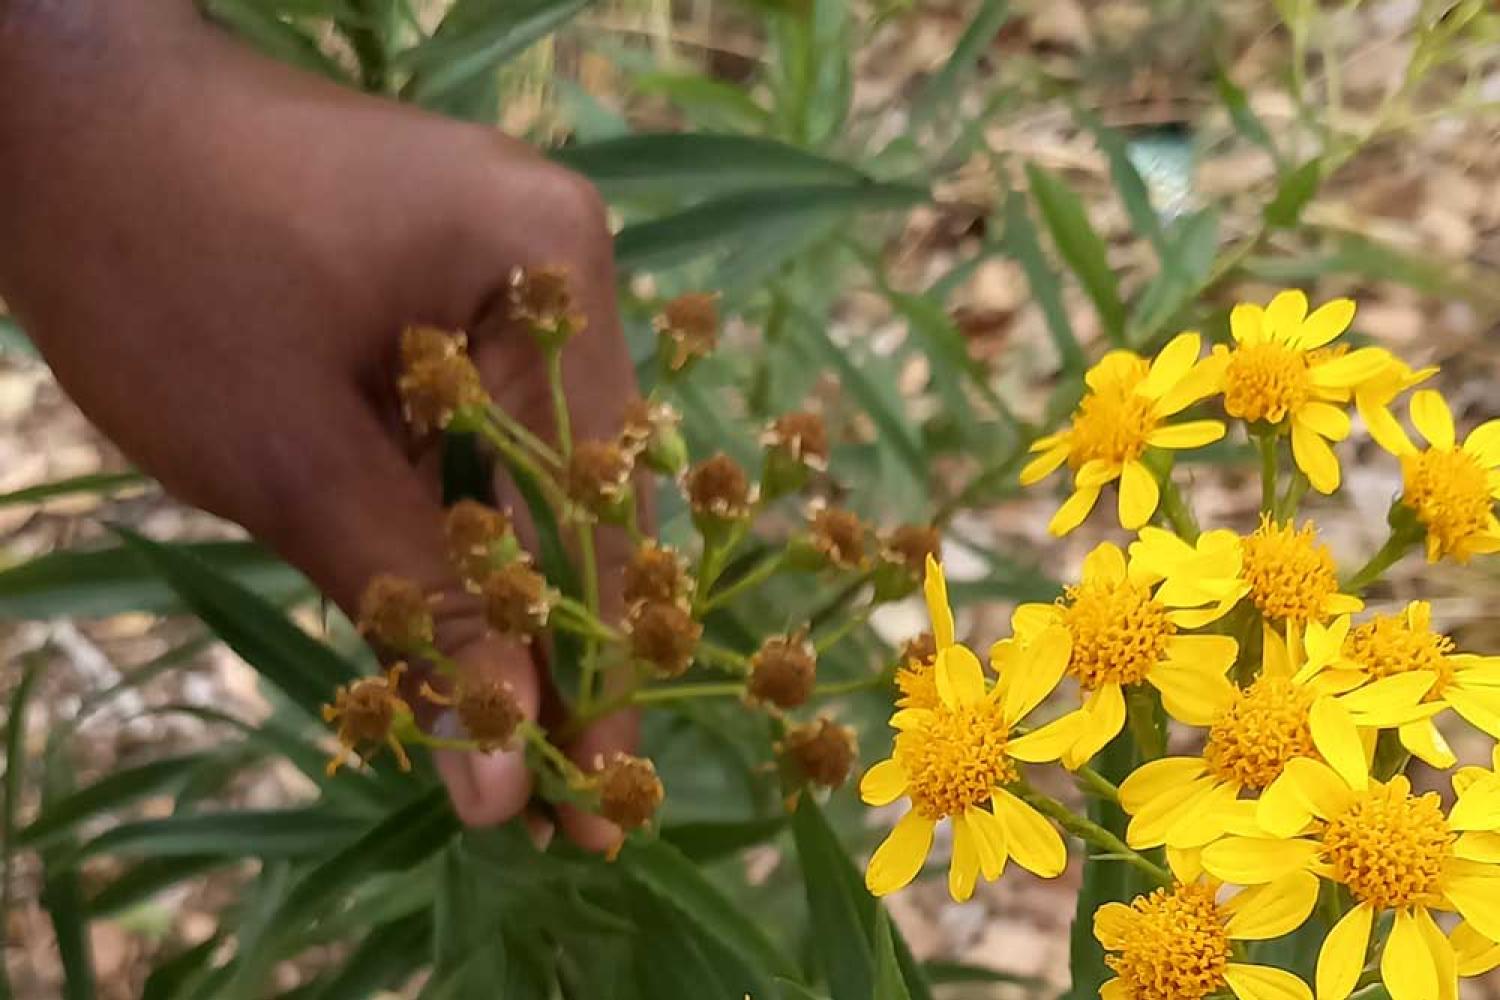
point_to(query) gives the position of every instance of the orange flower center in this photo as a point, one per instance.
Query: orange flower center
(1175, 947)
(955, 759)
(1120, 631)
(1389, 846)
(1266, 382)
(1291, 575)
(1251, 741)
(1113, 422)
(1449, 491)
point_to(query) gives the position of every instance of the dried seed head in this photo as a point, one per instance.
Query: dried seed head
(598, 476)
(649, 432)
(839, 536)
(489, 712)
(366, 713)
(516, 600)
(909, 545)
(688, 328)
(782, 671)
(437, 388)
(823, 750)
(655, 573)
(629, 791)
(429, 343)
(920, 648)
(663, 634)
(541, 298)
(474, 532)
(394, 612)
(718, 488)
(801, 436)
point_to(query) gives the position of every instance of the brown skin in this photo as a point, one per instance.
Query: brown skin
(216, 254)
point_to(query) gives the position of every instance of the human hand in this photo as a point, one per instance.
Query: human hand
(217, 262)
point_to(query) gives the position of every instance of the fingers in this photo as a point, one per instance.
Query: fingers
(343, 504)
(615, 733)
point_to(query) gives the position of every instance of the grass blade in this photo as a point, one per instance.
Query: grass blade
(100, 483)
(15, 774)
(1021, 243)
(111, 792)
(1063, 212)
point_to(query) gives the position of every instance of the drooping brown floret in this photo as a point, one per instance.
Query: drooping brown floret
(516, 600)
(395, 613)
(438, 380)
(839, 536)
(909, 545)
(782, 671)
(717, 487)
(654, 573)
(598, 475)
(688, 328)
(486, 707)
(542, 299)
(663, 634)
(800, 436)
(473, 531)
(365, 714)
(823, 750)
(629, 791)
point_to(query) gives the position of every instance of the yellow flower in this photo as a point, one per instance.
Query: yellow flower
(1124, 413)
(1478, 953)
(1174, 944)
(1124, 632)
(1390, 850)
(1286, 573)
(1413, 675)
(1282, 373)
(955, 761)
(1253, 734)
(1373, 397)
(1451, 488)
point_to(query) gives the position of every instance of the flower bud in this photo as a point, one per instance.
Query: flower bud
(540, 297)
(823, 751)
(796, 444)
(782, 671)
(650, 432)
(719, 493)
(489, 712)
(629, 791)
(516, 600)
(395, 613)
(478, 539)
(688, 330)
(664, 635)
(597, 479)
(655, 573)
(438, 384)
(903, 560)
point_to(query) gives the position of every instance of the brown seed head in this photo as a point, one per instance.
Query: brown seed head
(598, 475)
(472, 531)
(541, 298)
(489, 712)
(394, 612)
(655, 573)
(909, 545)
(664, 635)
(800, 436)
(689, 328)
(839, 536)
(365, 713)
(920, 648)
(429, 343)
(629, 791)
(782, 671)
(434, 389)
(824, 750)
(718, 487)
(516, 600)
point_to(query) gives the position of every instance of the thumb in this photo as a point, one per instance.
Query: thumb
(345, 505)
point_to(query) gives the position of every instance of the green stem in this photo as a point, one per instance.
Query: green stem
(848, 687)
(716, 552)
(492, 433)
(583, 624)
(559, 403)
(444, 663)
(1097, 784)
(523, 435)
(590, 565)
(537, 740)
(840, 632)
(1140, 710)
(683, 692)
(1292, 500)
(1389, 554)
(752, 578)
(1091, 832)
(709, 652)
(1267, 445)
(1176, 510)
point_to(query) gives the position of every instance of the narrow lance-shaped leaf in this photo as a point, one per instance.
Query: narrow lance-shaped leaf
(1021, 243)
(1063, 212)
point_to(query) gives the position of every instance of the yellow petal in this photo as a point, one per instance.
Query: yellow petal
(1044, 465)
(1261, 982)
(883, 784)
(1074, 510)
(1483, 443)
(1029, 619)
(1476, 953)
(896, 861)
(1104, 717)
(1427, 744)
(1038, 669)
(1478, 845)
(1384, 428)
(1048, 743)
(1324, 419)
(1212, 653)
(1337, 739)
(1151, 823)
(1194, 697)
(1111, 924)
(1478, 808)
(1286, 312)
(1316, 458)
(1205, 379)
(935, 588)
(1477, 902)
(1304, 789)
(1267, 911)
(1105, 564)
(1406, 965)
(1444, 960)
(1389, 701)
(1257, 860)
(1326, 323)
(1193, 434)
(1247, 324)
(1433, 419)
(1157, 777)
(1139, 496)
(1174, 361)
(1034, 843)
(963, 866)
(990, 841)
(960, 678)
(1481, 710)
(1349, 370)
(1342, 957)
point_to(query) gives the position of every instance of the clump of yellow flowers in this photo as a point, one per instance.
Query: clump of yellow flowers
(1294, 712)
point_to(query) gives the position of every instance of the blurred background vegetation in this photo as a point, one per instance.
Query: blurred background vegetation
(926, 219)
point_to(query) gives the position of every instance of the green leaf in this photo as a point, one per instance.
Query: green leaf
(275, 833)
(13, 339)
(62, 894)
(708, 103)
(674, 877)
(100, 483)
(174, 978)
(1293, 193)
(796, 991)
(386, 957)
(15, 774)
(942, 91)
(475, 39)
(1022, 244)
(102, 582)
(719, 224)
(705, 842)
(1245, 120)
(145, 879)
(941, 973)
(690, 165)
(1131, 189)
(889, 982)
(844, 913)
(304, 669)
(1063, 212)
(275, 37)
(1191, 248)
(111, 792)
